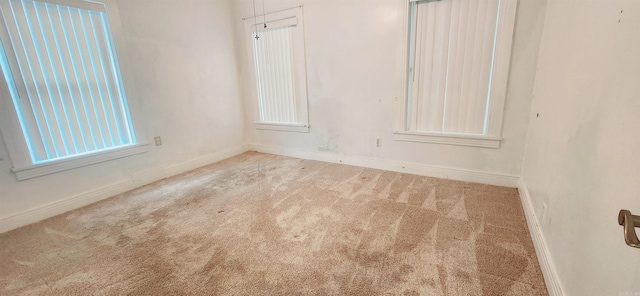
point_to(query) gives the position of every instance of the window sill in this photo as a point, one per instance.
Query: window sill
(287, 127)
(38, 170)
(449, 139)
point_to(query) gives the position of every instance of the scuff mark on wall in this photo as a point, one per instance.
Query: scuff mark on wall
(329, 141)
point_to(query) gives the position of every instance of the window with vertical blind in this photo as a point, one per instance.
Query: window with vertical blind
(276, 44)
(63, 79)
(457, 65)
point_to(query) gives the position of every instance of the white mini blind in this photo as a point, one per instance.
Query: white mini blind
(68, 90)
(453, 48)
(274, 70)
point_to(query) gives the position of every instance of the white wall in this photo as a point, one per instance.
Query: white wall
(182, 57)
(354, 55)
(582, 158)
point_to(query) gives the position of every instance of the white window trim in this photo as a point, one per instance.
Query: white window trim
(12, 131)
(302, 126)
(287, 127)
(449, 138)
(43, 169)
(492, 138)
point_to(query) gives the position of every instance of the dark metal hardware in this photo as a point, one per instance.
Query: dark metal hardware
(629, 222)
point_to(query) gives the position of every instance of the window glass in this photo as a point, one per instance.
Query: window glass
(66, 84)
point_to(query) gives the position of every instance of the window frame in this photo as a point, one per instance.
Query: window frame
(299, 69)
(502, 60)
(10, 127)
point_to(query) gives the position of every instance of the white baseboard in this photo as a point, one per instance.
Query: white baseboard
(396, 166)
(546, 263)
(130, 182)
(193, 164)
(58, 207)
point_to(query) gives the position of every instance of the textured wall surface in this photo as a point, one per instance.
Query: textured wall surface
(581, 164)
(354, 52)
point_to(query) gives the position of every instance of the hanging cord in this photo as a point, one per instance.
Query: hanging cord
(264, 15)
(255, 17)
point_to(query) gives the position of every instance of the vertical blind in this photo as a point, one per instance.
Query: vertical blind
(68, 92)
(452, 53)
(273, 58)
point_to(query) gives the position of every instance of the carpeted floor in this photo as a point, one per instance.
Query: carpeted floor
(259, 224)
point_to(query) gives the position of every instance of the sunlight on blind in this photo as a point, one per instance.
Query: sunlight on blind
(76, 103)
(273, 56)
(454, 42)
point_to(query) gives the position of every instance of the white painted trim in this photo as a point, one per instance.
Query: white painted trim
(299, 64)
(129, 182)
(189, 165)
(396, 166)
(499, 80)
(13, 134)
(272, 14)
(287, 127)
(401, 123)
(450, 139)
(73, 162)
(83, 4)
(551, 279)
(61, 206)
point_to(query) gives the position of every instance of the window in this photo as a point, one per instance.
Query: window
(276, 42)
(457, 65)
(63, 80)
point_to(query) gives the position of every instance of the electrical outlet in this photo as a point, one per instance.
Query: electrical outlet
(378, 142)
(158, 141)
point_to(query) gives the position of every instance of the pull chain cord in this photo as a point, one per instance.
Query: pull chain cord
(264, 15)
(255, 17)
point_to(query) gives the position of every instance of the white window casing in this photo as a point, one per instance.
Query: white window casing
(63, 88)
(278, 69)
(458, 56)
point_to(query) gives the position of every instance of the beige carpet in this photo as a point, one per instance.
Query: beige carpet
(260, 224)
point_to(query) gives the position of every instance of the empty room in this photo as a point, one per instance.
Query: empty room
(319, 147)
